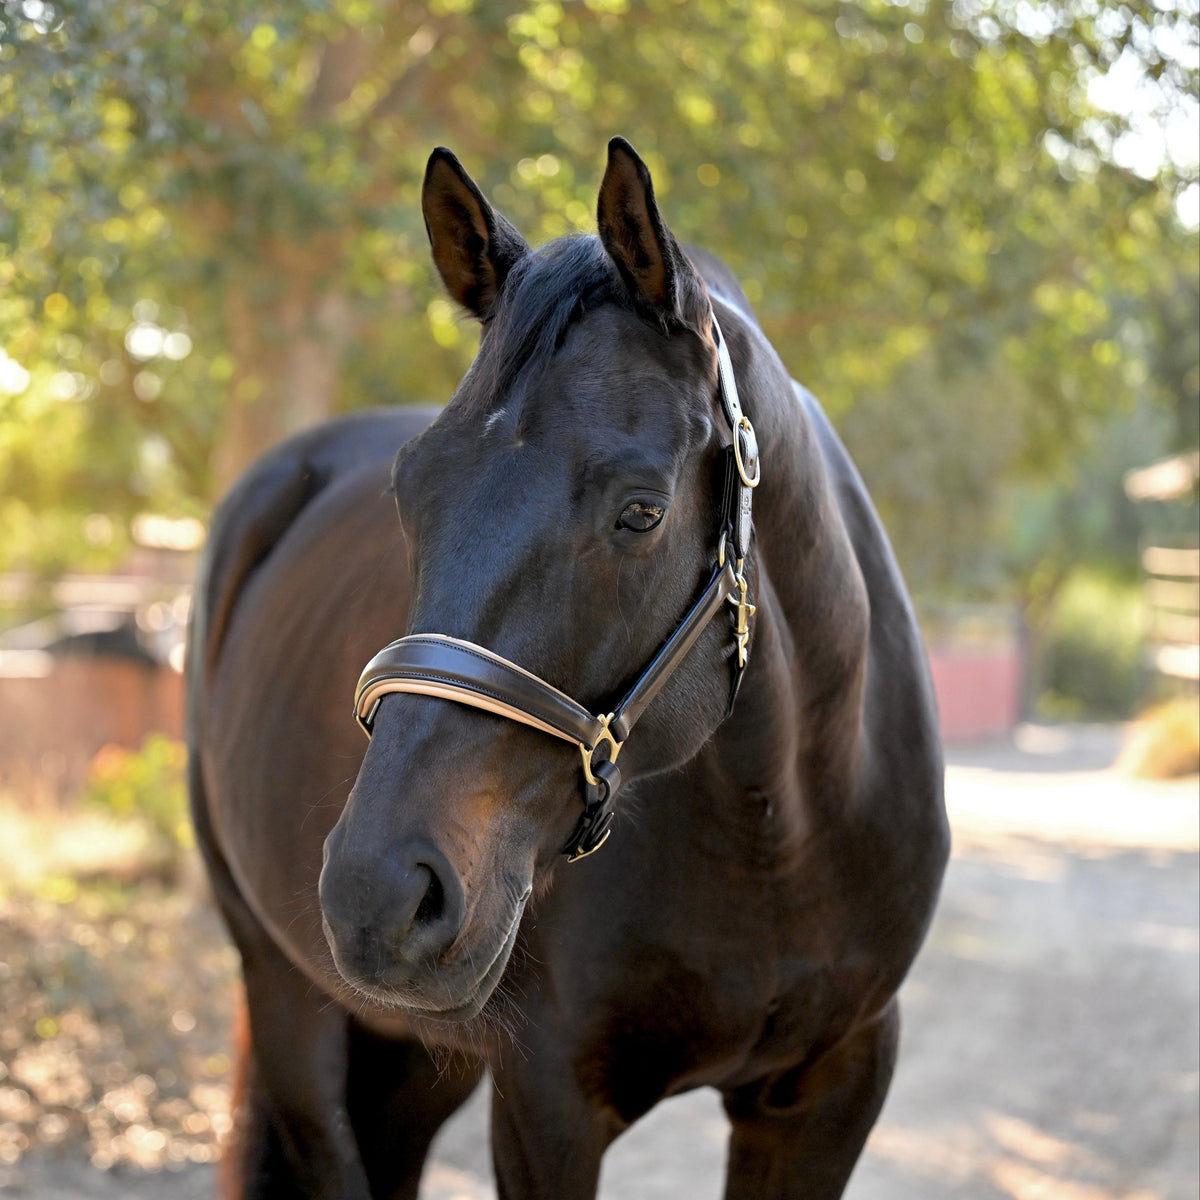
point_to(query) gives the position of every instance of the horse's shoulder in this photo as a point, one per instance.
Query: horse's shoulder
(269, 499)
(900, 690)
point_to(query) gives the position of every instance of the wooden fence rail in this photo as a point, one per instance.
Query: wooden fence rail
(1172, 592)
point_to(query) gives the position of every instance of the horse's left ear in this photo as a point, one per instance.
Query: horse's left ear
(654, 268)
(474, 247)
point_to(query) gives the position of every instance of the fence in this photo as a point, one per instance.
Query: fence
(1172, 589)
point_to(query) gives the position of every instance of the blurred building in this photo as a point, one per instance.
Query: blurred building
(101, 664)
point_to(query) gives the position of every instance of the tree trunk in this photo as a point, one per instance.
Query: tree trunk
(287, 335)
(1035, 607)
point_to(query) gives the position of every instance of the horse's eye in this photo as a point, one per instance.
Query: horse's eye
(639, 517)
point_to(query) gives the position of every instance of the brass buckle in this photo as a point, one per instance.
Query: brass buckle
(744, 423)
(589, 752)
(745, 610)
(576, 855)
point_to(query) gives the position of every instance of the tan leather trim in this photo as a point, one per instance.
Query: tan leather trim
(445, 691)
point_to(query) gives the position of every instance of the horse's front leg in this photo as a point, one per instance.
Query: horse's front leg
(398, 1096)
(292, 1134)
(798, 1136)
(547, 1138)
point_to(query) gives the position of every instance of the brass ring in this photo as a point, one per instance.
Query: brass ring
(744, 423)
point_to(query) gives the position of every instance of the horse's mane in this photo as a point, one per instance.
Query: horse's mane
(544, 295)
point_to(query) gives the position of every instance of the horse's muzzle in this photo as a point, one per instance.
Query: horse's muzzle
(396, 930)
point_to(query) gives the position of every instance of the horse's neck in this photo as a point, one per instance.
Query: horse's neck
(800, 720)
(837, 705)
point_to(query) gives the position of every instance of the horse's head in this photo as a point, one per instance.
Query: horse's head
(563, 513)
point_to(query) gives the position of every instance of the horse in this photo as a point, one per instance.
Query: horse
(629, 532)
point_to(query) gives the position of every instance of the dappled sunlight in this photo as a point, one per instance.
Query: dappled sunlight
(1050, 1048)
(112, 1042)
(1002, 1157)
(947, 1155)
(1093, 808)
(36, 846)
(1031, 1143)
(1023, 1181)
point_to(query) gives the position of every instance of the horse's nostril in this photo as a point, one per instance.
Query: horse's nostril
(433, 903)
(403, 910)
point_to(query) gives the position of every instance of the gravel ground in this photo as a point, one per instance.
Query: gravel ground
(1051, 1045)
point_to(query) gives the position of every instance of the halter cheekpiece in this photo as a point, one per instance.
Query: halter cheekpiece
(432, 664)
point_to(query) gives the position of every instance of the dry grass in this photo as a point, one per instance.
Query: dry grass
(43, 843)
(1164, 743)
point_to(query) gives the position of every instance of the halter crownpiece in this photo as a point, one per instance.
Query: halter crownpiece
(432, 664)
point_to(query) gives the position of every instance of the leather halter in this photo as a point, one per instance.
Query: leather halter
(432, 664)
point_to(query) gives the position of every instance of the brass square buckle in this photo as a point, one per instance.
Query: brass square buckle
(588, 753)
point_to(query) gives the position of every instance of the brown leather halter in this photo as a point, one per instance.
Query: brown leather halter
(432, 664)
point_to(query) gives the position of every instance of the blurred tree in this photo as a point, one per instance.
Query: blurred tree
(1174, 353)
(210, 232)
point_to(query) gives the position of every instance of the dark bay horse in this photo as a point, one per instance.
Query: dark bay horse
(575, 538)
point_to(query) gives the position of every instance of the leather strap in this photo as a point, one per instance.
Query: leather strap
(649, 683)
(742, 468)
(433, 664)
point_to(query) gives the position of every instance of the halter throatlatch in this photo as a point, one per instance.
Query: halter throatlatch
(432, 664)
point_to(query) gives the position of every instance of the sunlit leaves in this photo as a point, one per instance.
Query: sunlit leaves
(907, 190)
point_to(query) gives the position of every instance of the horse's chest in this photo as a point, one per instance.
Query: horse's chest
(668, 1024)
(709, 992)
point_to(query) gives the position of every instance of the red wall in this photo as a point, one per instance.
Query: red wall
(52, 725)
(978, 690)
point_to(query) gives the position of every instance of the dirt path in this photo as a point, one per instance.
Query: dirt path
(1051, 1048)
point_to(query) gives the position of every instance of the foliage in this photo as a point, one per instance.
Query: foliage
(1091, 652)
(967, 520)
(1174, 352)
(148, 783)
(210, 230)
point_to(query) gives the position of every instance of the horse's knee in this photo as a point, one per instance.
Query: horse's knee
(800, 1132)
(856, 1069)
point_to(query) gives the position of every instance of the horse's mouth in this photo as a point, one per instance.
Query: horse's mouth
(435, 995)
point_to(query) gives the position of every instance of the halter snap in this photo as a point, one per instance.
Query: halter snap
(743, 611)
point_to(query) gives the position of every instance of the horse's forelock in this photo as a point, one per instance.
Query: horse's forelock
(543, 296)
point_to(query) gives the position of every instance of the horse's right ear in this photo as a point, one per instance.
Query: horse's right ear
(656, 272)
(474, 247)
